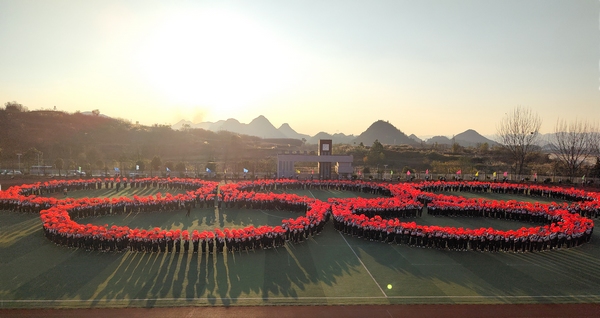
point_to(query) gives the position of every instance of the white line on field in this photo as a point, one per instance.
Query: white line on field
(503, 297)
(276, 216)
(312, 194)
(363, 264)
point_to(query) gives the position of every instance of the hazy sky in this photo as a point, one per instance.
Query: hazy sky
(428, 67)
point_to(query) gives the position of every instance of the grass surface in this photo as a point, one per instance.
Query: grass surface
(329, 269)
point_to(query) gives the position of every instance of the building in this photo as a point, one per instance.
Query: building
(325, 160)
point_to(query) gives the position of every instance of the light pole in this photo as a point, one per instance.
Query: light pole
(19, 156)
(39, 164)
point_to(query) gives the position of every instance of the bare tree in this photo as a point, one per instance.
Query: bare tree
(596, 139)
(573, 144)
(519, 132)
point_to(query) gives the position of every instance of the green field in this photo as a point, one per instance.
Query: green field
(328, 269)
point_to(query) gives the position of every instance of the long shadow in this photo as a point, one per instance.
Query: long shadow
(181, 275)
(298, 270)
(502, 274)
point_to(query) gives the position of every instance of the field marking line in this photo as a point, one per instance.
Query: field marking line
(276, 216)
(363, 264)
(305, 298)
(312, 194)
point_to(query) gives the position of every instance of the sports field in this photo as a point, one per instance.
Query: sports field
(328, 269)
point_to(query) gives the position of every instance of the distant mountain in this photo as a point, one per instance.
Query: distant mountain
(259, 126)
(385, 133)
(440, 140)
(204, 125)
(380, 130)
(232, 125)
(179, 125)
(415, 138)
(470, 138)
(216, 126)
(287, 131)
(262, 127)
(467, 138)
(337, 138)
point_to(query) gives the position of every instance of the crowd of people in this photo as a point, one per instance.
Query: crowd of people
(377, 219)
(559, 225)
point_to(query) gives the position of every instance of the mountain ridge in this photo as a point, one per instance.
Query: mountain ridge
(380, 130)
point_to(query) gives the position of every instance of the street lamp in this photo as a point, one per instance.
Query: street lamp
(19, 155)
(39, 164)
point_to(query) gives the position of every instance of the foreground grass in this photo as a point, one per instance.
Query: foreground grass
(329, 269)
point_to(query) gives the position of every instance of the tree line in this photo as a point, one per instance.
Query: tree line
(96, 143)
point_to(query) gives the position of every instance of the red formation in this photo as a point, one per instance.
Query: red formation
(560, 225)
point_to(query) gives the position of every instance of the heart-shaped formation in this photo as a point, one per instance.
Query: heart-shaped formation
(560, 225)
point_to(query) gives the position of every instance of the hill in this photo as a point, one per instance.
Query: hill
(291, 133)
(96, 142)
(415, 138)
(470, 138)
(385, 133)
(337, 138)
(440, 140)
(258, 127)
(467, 138)
(380, 130)
(262, 127)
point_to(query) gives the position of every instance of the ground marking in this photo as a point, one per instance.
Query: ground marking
(276, 216)
(363, 264)
(304, 298)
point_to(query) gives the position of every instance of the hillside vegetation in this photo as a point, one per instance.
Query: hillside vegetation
(98, 143)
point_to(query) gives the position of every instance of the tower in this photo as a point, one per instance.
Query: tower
(325, 148)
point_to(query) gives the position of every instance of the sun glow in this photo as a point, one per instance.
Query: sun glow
(215, 60)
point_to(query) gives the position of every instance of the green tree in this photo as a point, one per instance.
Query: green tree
(456, 148)
(100, 164)
(31, 157)
(14, 107)
(180, 167)
(483, 148)
(375, 155)
(123, 160)
(59, 163)
(155, 164)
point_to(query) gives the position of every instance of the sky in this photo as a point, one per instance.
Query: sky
(429, 67)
